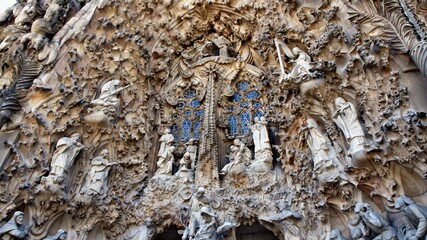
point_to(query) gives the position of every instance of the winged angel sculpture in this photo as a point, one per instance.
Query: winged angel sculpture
(302, 63)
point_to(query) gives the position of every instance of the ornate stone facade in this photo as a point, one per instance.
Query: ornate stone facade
(185, 119)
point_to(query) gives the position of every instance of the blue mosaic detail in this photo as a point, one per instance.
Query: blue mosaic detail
(174, 131)
(259, 114)
(190, 93)
(199, 113)
(232, 121)
(196, 129)
(244, 104)
(237, 97)
(186, 129)
(195, 103)
(243, 85)
(252, 94)
(245, 120)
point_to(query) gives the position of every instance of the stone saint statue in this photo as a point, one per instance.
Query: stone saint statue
(60, 235)
(345, 117)
(108, 96)
(260, 135)
(416, 214)
(375, 222)
(327, 167)
(165, 154)
(14, 228)
(185, 170)
(207, 229)
(240, 157)
(197, 202)
(98, 175)
(67, 149)
(192, 150)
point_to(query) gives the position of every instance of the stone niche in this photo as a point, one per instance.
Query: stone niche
(220, 119)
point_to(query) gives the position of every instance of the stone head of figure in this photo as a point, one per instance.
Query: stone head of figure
(110, 86)
(191, 141)
(167, 131)
(339, 102)
(200, 192)
(149, 222)
(76, 136)
(402, 201)
(104, 153)
(237, 142)
(262, 118)
(187, 155)
(62, 234)
(256, 119)
(18, 216)
(296, 50)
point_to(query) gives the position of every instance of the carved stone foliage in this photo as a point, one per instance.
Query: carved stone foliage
(137, 119)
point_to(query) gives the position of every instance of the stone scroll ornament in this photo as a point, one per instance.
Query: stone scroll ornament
(12, 96)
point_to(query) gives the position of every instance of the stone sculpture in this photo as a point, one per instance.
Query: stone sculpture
(98, 175)
(185, 170)
(165, 154)
(345, 117)
(197, 202)
(327, 167)
(207, 226)
(192, 150)
(336, 234)
(146, 231)
(263, 154)
(60, 235)
(303, 64)
(105, 106)
(240, 157)
(14, 228)
(67, 149)
(375, 222)
(416, 214)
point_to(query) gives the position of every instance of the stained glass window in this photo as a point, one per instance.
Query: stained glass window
(244, 105)
(196, 129)
(186, 130)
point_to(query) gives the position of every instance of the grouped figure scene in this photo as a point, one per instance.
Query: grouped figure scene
(213, 120)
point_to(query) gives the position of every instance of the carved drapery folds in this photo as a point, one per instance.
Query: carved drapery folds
(293, 119)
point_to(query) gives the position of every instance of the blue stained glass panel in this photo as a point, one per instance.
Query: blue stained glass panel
(190, 93)
(196, 130)
(231, 109)
(174, 131)
(200, 113)
(237, 97)
(243, 85)
(252, 94)
(195, 103)
(259, 114)
(257, 104)
(232, 121)
(244, 104)
(187, 113)
(245, 120)
(186, 129)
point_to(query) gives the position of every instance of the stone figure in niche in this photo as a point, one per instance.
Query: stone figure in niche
(240, 157)
(345, 117)
(165, 154)
(375, 222)
(105, 106)
(60, 235)
(197, 202)
(14, 228)
(98, 175)
(192, 150)
(416, 214)
(263, 154)
(67, 149)
(185, 170)
(327, 167)
(358, 229)
(336, 234)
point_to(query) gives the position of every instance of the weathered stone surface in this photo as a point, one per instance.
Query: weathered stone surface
(213, 119)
